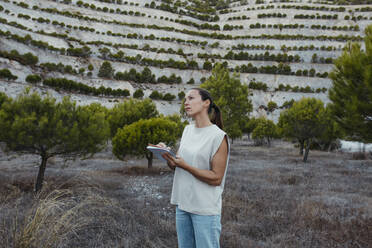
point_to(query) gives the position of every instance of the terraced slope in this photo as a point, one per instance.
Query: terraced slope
(282, 50)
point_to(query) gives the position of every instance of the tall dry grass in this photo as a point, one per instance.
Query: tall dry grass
(61, 216)
(93, 210)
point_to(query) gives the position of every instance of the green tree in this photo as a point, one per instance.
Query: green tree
(29, 59)
(130, 111)
(42, 126)
(265, 131)
(133, 139)
(33, 79)
(331, 132)
(5, 73)
(207, 66)
(181, 95)
(304, 121)
(351, 92)
(147, 76)
(156, 95)
(106, 70)
(249, 126)
(3, 98)
(271, 106)
(138, 93)
(232, 97)
(169, 97)
(180, 124)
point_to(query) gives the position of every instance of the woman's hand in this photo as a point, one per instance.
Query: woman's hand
(174, 161)
(161, 144)
(170, 163)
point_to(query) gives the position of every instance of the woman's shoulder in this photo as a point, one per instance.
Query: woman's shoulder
(218, 130)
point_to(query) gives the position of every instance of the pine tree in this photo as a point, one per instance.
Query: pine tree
(133, 139)
(42, 126)
(304, 121)
(130, 111)
(232, 97)
(265, 131)
(351, 92)
(106, 70)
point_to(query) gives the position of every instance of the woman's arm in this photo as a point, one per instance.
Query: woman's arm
(215, 175)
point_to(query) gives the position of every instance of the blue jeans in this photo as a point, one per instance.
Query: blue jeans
(197, 231)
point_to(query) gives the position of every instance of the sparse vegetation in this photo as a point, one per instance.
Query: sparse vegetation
(6, 74)
(33, 78)
(24, 59)
(120, 204)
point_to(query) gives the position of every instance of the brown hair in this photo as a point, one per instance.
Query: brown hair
(217, 116)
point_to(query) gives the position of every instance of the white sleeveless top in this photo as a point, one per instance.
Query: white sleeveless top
(197, 148)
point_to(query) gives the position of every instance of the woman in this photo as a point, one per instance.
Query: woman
(200, 169)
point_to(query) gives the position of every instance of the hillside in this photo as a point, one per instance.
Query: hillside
(285, 48)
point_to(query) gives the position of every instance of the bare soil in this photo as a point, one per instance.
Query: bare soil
(271, 199)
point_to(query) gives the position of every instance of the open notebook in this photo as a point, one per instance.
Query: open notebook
(158, 151)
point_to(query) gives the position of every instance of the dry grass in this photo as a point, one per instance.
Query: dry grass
(140, 171)
(59, 215)
(271, 199)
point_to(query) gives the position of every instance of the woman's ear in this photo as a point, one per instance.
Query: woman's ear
(206, 103)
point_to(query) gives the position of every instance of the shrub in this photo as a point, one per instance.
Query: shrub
(6, 74)
(169, 97)
(156, 95)
(271, 106)
(181, 95)
(191, 81)
(106, 70)
(207, 66)
(133, 138)
(33, 79)
(138, 93)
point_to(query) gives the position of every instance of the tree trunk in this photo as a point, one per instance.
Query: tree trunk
(40, 175)
(307, 149)
(330, 147)
(149, 160)
(302, 147)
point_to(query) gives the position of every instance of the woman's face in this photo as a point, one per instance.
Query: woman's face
(194, 104)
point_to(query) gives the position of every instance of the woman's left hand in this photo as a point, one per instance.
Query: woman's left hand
(176, 161)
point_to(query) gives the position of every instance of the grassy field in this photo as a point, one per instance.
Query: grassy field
(271, 199)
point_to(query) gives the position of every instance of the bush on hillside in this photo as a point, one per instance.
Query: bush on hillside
(106, 70)
(33, 79)
(6, 74)
(138, 93)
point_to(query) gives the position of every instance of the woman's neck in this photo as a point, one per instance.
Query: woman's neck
(202, 120)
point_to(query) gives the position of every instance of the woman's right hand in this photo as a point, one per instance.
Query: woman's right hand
(170, 163)
(161, 144)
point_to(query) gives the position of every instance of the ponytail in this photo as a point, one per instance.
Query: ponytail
(217, 115)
